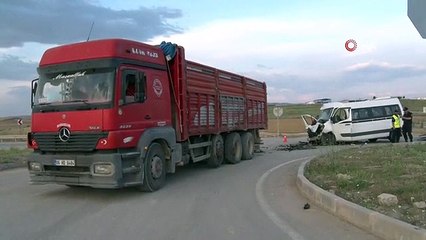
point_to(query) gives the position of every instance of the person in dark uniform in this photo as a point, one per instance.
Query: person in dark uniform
(408, 125)
(396, 127)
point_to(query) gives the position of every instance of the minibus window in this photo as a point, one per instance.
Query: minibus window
(341, 114)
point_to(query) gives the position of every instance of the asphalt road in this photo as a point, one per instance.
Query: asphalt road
(256, 199)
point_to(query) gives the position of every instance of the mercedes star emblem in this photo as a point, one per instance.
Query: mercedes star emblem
(64, 134)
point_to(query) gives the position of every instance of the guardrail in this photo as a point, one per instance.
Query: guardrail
(13, 138)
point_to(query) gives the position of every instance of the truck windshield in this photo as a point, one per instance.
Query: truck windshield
(325, 115)
(83, 86)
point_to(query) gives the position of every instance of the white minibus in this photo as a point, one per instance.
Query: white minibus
(352, 121)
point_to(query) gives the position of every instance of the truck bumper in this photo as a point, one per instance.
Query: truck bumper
(112, 170)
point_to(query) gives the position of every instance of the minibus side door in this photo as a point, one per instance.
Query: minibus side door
(342, 124)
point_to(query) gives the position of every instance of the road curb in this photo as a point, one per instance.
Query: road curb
(9, 166)
(376, 223)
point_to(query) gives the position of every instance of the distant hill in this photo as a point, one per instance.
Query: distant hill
(9, 125)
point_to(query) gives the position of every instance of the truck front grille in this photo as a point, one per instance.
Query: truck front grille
(78, 142)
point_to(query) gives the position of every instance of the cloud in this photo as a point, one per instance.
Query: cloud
(300, 59)
(15, 101)
(381, 72)
(13, 68)
(58, 22)
(29, 27)
(305, 60)
(357, 81)
(18, 90)
(293, 88)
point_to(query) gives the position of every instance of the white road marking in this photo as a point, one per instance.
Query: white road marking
(294, 235)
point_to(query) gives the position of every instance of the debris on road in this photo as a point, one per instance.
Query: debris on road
(422, 137)
(297, 146)
(306, 206)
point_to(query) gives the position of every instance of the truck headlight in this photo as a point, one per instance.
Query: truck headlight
(34, 166)
(103, 168)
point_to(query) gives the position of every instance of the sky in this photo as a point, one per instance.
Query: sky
(296, 47)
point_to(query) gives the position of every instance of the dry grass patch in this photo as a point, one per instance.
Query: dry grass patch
(361, 174)
(13, 155)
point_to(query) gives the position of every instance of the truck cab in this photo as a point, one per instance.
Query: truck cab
(95, 100)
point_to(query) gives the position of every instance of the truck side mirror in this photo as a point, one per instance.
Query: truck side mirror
(34, 89)
(34, 85)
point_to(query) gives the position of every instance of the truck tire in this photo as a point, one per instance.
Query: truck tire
(233, 149)
(154, 169)
(247, 143)
(217, 152)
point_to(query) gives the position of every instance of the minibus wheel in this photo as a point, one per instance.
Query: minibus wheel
(328, 139)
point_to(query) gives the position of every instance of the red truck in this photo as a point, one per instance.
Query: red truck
(116, 113)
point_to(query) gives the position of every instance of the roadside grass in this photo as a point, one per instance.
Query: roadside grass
(13, 155)
(362, 173)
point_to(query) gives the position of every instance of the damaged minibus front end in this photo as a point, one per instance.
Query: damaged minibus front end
(319, 130)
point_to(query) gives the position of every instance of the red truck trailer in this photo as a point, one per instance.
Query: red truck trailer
(116, 113)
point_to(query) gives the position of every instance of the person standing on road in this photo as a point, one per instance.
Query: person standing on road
(396, 127)
(408, 125)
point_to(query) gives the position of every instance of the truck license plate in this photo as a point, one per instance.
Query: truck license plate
(59, 162)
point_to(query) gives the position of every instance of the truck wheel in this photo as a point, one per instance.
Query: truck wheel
(154, 169)
(216, 157)
(233, 147)
(247, 143)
